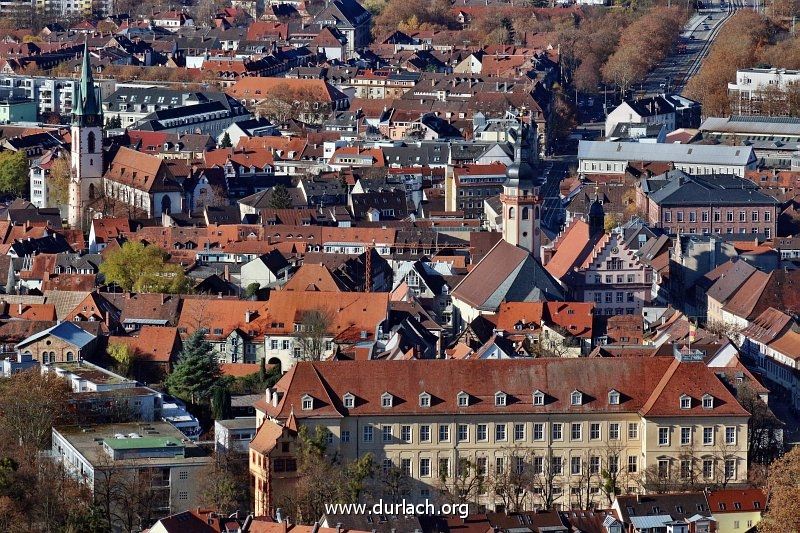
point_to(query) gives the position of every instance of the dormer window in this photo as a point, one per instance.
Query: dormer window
(349, 401)
(576, 398)
(538, 397)
(308, 402)
(463, 399)
(500, 399)
(386, 400)
(424, 400)
(613, 397)
(686, 402)
(708, 401)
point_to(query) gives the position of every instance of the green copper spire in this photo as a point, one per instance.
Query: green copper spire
(85, 100)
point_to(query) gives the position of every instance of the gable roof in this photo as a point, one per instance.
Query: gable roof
(67, 331)
(506, 273)
(637, 379)
(314, 277)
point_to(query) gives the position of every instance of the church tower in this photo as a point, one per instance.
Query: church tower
(520, 197)
(87, 145)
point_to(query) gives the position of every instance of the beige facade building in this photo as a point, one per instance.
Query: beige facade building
(549, 426)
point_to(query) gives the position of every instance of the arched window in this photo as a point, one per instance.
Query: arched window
(511, 213)
(166, 204)
(90, 142)
(91, 191)
(525, 213)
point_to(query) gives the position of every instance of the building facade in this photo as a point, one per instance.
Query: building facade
(559, 423)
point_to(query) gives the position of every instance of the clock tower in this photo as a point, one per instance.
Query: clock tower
(87, 145)
(521, 198)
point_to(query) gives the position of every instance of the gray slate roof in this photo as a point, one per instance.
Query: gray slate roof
(669, 153)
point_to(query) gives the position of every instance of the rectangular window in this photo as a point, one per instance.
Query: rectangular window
(519, 465)
(345, 436)
(558, 466)
(613, 431)
(708, 468)
(633, 430)
(742, 216)
(594, 431)
(686, 468)
(386, 432)
(499, 465)
(575, 466)
(679, 216)
(754, 216)
(633, 464)
(594, 465)
(425, 433)
(686, 436)
(557, 432)
(519, 431)
(538, 465)
(405, 433)
(708, 436)
(444, 467)
(482, 466)
(463, 433)
(538, 431)
(730, 435)
(704, 216)
(367, 433)
(576, 431)
(500, 433)
(663, 436)
(425, 467)
(730, 468)
(767, 216)
(613, 463)
(444, 433)
(692, 216)
(482, 433)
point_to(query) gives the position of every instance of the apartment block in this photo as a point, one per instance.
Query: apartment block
(564, 420)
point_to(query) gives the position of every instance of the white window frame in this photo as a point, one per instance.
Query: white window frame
(307, 403)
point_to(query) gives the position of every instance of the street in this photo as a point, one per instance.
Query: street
(696, 41)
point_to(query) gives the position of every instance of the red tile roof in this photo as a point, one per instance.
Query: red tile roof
(649, 386)
(727, 500)
(153, 343)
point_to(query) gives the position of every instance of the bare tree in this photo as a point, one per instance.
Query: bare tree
(394, 483)
(311, 334)
(31, 402)
(129, 492)
(510, 478)
(546, 470)
(464, 485)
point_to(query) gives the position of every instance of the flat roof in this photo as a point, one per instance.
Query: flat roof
(138, 443)
(245, 422)
(753, 125)
(709, 154)
(86, 440)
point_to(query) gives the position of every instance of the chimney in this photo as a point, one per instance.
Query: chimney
(279, 515)
(19, 309)
(338, 527)
(274, 399)
(268, 395)
(248, 316)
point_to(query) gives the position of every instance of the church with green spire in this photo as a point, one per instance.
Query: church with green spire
(87, 145)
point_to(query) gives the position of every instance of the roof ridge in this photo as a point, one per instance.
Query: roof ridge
(662, 384)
